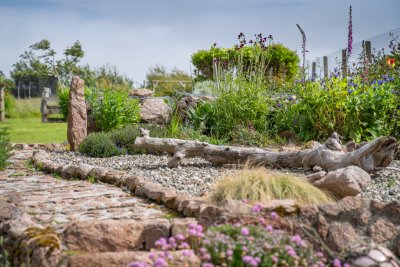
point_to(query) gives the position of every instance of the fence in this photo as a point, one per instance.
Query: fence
(366, 48)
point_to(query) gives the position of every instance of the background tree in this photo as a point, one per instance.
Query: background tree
(160, 73)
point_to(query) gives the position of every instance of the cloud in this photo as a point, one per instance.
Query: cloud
(135, 35)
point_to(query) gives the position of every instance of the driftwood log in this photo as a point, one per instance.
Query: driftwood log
(377, 153)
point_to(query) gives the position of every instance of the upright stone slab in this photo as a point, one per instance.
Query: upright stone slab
(77, 118)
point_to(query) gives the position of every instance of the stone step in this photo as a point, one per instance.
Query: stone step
(114, 235)
(122, 259)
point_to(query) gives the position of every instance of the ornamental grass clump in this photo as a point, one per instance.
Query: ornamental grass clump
(261, 185)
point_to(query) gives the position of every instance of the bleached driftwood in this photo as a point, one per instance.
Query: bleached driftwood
(377, 153)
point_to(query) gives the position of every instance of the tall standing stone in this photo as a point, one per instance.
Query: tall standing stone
(77, 118)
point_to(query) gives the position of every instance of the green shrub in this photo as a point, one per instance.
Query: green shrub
(113, 109)
(240, 100)
(357, 111)
(125, 138)
(99, 145)
(281, 61)
(63, 100)
(4, 147)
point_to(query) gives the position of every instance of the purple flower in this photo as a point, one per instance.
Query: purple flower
(252, 261)
(346, 265)
(350, 34)
(207, 264)
(160, 262)
(349, 91)
(256, 208)
(269, 228)
(380, 82)
(337, 263)
(179, 237)
(229, 252)
(245, 231)
(297, 240)
(275, 258)
(274, 215)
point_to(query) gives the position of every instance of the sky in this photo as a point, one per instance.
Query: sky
(136, 35)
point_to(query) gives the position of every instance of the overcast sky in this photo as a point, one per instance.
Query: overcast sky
(136, 35)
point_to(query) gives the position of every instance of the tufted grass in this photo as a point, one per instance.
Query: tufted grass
(262, 185)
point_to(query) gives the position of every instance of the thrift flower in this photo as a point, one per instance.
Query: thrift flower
(245, 231)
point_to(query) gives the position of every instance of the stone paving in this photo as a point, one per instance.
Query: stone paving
(53, 202)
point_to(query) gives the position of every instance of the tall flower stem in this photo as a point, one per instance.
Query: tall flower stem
(303, 47)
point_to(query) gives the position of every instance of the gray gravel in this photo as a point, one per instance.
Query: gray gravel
(385, 184)
(196, 175)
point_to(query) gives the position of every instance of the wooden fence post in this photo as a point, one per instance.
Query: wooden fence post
(314, 70)
(368, 51)
(325, 59)
(344, 63)
(2, 105)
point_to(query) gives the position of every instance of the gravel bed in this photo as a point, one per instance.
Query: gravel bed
(385, 184)
(196, 175)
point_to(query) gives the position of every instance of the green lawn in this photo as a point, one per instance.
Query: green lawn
(32, 130)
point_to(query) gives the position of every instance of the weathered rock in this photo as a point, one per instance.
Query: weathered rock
(155, 110)
(77, 117)
(341, 236)
(8, 211)
(142, 92)
(191, 101)
(348, 181)
(181, 226)
(396, 245)
(153, 231)
(382, 230)
(111, 235)
(237, 207)
(210, 214)
(281, 205)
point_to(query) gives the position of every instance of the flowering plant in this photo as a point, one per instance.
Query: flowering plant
(240, 245)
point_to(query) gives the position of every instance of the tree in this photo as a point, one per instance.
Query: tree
(167, 83)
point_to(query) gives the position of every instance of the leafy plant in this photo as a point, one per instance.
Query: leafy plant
(113, 109)
(4, 147)
(241, 99)
(99, 145)
(356, 110)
